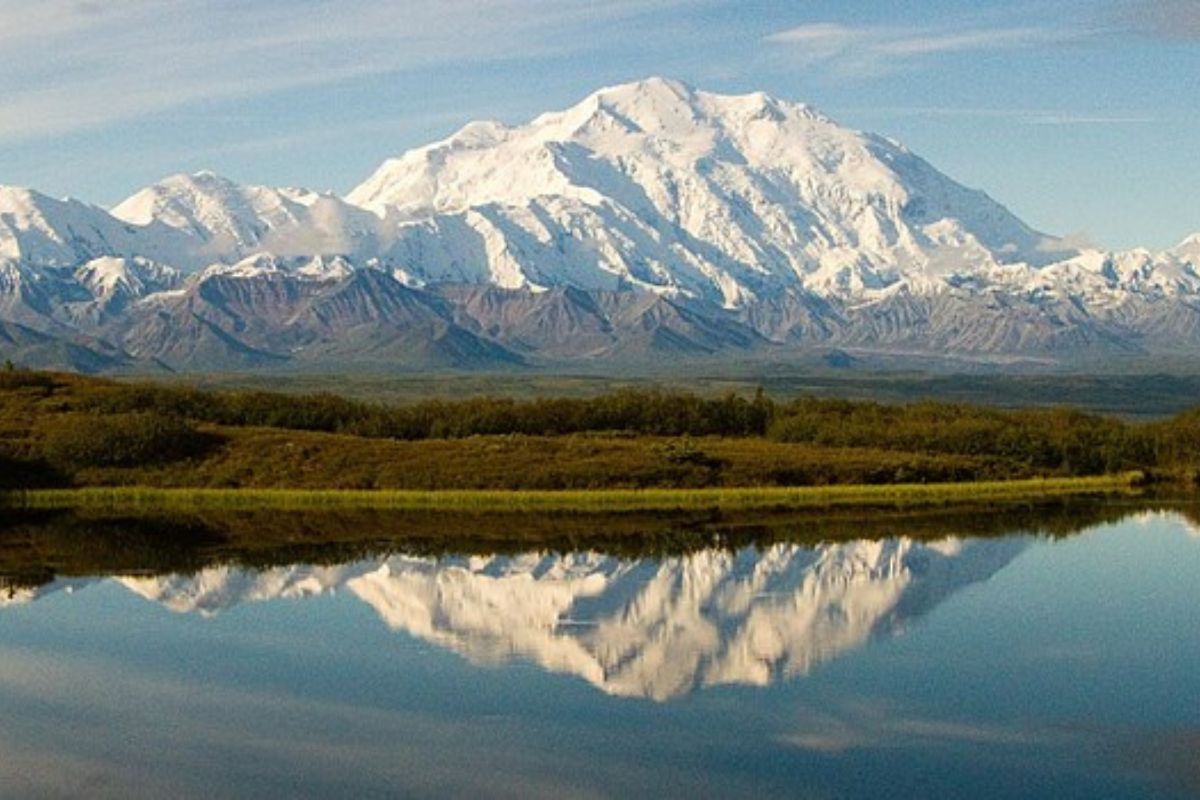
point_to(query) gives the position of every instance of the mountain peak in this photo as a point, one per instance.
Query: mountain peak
(655, 88)
(201, 177)
(167, 199)
(227, 219)
(43, 231)
(672, 109)
(21, 199)
(725, 198)
(655, 119)
(1189, 248)
(8, 190)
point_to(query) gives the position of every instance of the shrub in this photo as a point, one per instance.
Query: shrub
(684, 451)
(12, 377)
(20, 473)
(121, 440)
(652, 412)
(1046, 440)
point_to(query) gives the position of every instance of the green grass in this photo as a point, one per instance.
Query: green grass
(571, 501)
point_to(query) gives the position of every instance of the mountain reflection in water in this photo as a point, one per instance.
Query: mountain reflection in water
(645, 627)
(1047, 652)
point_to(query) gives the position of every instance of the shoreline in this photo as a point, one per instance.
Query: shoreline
(599, 501)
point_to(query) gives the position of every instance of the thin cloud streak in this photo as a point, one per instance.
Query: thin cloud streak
(259, 144)
(1014, 115)
(135, 58)
(867, 51)
(1088, 119)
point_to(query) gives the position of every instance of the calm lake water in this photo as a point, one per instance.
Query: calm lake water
(930, 663)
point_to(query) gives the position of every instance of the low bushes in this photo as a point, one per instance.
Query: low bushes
(121, 440)
(653, 413)
(18, 471)
(96, 431)
(1046, 440)
(1061, 441)
(12, 378)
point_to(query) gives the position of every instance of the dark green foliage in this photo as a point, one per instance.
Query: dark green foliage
(654, 413)
(11, 470)
(1045, 440)
(121, 440)
(12, 377)
(22, 473)
(1178, 440)
(106, 432)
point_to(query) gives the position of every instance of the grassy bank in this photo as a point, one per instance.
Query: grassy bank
(584, 502)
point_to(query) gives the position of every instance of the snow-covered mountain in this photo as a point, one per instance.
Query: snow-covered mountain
(650, 219)
(640, 628)
(654, 184)
(222, 221)
(40, 231)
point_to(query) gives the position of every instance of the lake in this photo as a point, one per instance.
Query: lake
(1017, 652)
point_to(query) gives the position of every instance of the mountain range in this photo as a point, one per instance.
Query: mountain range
(650, 223)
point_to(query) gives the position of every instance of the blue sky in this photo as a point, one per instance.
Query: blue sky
(1083, 116)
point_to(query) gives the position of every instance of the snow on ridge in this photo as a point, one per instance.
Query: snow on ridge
(225, 221)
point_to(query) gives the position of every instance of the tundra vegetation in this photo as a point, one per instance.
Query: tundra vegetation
(69, 431)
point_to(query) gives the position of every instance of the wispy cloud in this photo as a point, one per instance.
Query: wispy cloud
(1019, 116)
(873, 50)
(292, 138)
(74, 64)
(1068, 118)
(1167, 19)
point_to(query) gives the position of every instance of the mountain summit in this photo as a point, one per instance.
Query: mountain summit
(731, 199)
(650, 219)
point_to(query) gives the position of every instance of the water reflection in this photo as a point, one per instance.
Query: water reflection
(654, 627)
(1045, 654)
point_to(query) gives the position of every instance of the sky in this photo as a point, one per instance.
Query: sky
(1081, 116)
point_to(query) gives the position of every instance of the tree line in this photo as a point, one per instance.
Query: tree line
(121, 423)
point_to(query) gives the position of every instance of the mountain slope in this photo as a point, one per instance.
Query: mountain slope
(23, 345)
(266, 311)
